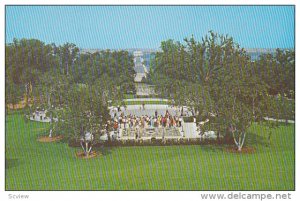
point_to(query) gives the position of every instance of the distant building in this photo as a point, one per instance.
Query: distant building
(137, 54)
(142, 89)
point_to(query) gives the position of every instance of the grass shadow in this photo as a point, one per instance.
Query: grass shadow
(10, 163)
(213, 148)
(253, 139)
(104, 150)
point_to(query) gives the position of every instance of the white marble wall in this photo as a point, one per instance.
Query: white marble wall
(190, 130)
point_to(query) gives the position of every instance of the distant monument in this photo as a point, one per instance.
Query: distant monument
(142, 89)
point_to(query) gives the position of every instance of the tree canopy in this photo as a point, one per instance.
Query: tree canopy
(79, 84)
(216, 77)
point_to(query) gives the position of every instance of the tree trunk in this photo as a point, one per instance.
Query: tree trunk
(218, 136)
(81, 143)
(239, 148)
(67, 69)
(26, 94)
(86, 149)
(269, 138)
(108, 136)
(240, 141)
(50, 134)
(48, 100)
(253, 111)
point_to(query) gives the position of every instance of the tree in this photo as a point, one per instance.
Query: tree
(85, 114)
(68, 54)
(278, 71)
(236, 91)
(216, 78)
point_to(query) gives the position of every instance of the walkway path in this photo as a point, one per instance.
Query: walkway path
(280, 120)
(146, 99)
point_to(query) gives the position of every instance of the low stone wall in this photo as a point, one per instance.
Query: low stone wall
(190, 130)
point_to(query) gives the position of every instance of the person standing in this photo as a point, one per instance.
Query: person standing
(120, 121)
(167, 121)
(163, 121)
(180, 121)
(167, 113)
(152, 122)
(124, 121)
(137, 130)
(158, 121)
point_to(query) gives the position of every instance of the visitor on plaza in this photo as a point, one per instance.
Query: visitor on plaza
(145, 121)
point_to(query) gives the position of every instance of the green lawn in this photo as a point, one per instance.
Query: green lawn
(129, 96)
(31, 165)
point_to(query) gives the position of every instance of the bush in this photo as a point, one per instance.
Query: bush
(227, 140)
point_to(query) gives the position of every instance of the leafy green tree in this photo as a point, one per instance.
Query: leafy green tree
(68, 55)
(278, 71)
(217, 79)
(84, 113)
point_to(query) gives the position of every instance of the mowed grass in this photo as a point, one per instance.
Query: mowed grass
(31, 165)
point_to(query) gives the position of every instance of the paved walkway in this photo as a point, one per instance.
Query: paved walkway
(279, 120)
(146, 99)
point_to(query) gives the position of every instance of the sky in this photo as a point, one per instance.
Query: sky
(117, 27)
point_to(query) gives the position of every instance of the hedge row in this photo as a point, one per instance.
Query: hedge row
(157, 142)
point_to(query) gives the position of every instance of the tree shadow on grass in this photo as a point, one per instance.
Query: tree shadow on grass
(8, 120)
(252, 139)
(212, 148)
(64, 140)
(10, 163)
(104, 150)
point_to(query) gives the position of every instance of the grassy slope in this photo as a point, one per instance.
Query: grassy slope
(31, 165)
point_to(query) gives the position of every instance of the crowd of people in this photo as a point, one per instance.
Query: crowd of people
(156, 121)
